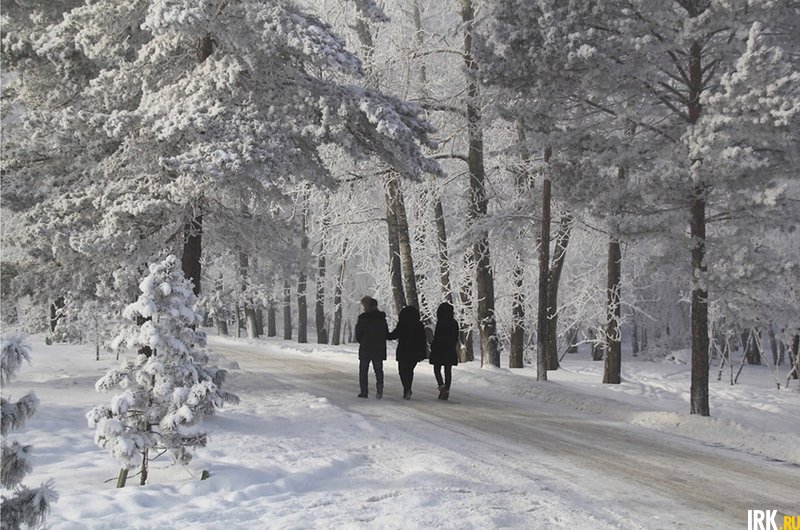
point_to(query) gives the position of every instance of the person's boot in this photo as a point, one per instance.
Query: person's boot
(441, 392)
(362, 395)
(445, 394)
(379, 392)
(407, 394)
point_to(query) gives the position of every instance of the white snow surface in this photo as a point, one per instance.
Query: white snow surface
(301, 451)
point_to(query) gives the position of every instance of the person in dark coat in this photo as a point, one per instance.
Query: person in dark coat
(371, 332)
(412, 345)
(444, 348)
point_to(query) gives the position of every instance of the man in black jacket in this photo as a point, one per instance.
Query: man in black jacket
(371, 332)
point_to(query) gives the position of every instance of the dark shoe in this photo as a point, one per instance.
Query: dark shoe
(362, 395)
(379, 393)
(407, 394)
(441, 392)
(445, 394)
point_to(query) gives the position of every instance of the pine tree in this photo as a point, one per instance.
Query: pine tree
(168, 387)
(23, 505)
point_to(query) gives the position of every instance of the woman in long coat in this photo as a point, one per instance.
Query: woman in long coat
(412, 345)
(444, 348)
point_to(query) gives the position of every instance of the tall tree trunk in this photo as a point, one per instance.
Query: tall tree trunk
(635, 338)
(193, 229)
(192, 250)
(752, 350)
(249, 309)
(55, 312)
(438, 209)
(478, 204)
(272, 326)
(319, 309)
(466, 352)
(337, 298)
(699, 387)
(259, 321)
(404, 243)
(522, 184)
(613, 366)
(444, 260)
(773, 345)
(302, 306)
(553, 282)
(395, 263)
(287, 310)
(544, 274)
(794, 356)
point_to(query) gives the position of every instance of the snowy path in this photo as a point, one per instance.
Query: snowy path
(531, 458)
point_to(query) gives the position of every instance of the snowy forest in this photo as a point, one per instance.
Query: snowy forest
(612, 173)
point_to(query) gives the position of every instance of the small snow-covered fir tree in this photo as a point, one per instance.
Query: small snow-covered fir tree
(23, 505)
(167, 387)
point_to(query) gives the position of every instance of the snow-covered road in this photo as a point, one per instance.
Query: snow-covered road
(573, 469)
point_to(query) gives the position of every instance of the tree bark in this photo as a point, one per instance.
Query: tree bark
(773, 345)
(287, 310)
(699, 386)
(522, 185)
(55, 312)
(319, 309)
(478, 204)
(613, 366)
(193, 229)
(337, 298)
(395, 263)
(249, 309)
(259, 321)
(272, 327)
(544, 273)
(302, 306)
(553, 282)
(404, 243)
(635, 338)
(794, 355)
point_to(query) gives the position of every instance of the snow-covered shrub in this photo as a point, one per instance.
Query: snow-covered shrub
(21, 505)
(167, 388)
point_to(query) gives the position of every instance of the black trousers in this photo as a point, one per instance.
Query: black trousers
(406, 370)
(448, 374)
(363, 371)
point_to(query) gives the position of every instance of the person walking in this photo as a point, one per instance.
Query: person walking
(444, 348)
(371, 332)
(412, 345)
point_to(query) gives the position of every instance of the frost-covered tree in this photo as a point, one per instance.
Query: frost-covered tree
(21, 506)
(138, 117)
(168, 387)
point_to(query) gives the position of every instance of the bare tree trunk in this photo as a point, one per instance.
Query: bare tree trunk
(55, 312)
(404, 242)
(699, 387)
(753, 349)
(794, 356)
(193, 229)
(613, 366)
(272, 327)
(249, 309)
(144, 472)
(287, 310)
(478, 204)
(773, 345)
(337, 298)
(319, 309)
(597, 346)
(553, 282)
(395, 263)
(222, 326)
(522, 184)
(544, 273)
(635, 338)
(259, 321)
(302, 306)
(466, 352)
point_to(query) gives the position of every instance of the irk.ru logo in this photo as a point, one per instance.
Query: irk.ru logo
(766, 520)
